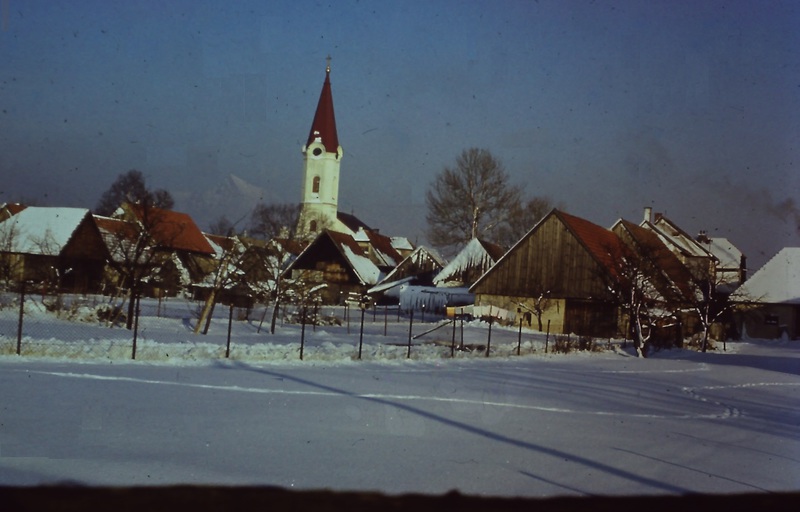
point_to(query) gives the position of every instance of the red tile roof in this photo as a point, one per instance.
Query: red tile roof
(652, 247)
(174, 230)
(603, 244)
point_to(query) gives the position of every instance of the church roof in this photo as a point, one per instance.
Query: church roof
(352, 222)
(324, 125)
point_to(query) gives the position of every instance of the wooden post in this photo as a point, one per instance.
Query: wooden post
(230, 324)
(361, 333)
(302, 331)
(461, 345)
(385, 318)
(489, 340)
(21, 316)
(135, 323)
(547, 337)
(453, 341)
(519, 336)
(410, 327)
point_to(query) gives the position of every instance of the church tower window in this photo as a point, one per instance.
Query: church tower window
(315, 185)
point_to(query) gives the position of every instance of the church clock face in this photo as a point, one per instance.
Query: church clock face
(317, 151)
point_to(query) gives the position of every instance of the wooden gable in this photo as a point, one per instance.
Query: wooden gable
(336, 260)
(564, 255)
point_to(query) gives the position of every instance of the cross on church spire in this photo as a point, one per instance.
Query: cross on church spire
(328, 66)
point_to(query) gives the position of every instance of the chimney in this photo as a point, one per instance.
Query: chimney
(648, 213)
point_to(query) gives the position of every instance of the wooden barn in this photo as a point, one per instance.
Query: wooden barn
(58, 247)
(559, 269)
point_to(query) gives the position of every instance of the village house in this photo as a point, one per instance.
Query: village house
(699, 260)
(770, 299)
(336, 261)
(178, 254)
(672, 286)
(59, 249)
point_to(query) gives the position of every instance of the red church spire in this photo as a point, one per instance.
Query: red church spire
(324, 125)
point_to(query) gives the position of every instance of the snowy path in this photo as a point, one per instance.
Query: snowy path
(542, 426)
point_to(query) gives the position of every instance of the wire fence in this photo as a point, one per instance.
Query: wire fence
(94, 327)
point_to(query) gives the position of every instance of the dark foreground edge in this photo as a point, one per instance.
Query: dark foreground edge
(200, 498)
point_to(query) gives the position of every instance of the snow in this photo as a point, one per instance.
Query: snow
(75, 408)
(778, 281)
(41, 230)
(367, 272)
(473, 255)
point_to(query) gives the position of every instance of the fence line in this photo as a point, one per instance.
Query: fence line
(77, 326)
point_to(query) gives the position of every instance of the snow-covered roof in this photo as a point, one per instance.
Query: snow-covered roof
(675, 237)
(728, 255)
(401, 243)
(364, 269)
(40, 230)
(421, 260)
(777, 282)
(381, 250)
(477, 254)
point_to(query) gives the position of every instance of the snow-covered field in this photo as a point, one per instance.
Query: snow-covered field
(76, 408)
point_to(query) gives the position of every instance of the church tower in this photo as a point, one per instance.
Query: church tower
(322, 156)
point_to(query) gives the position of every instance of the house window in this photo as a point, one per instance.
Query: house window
(771, 319)
(312, 226)
(315, 185)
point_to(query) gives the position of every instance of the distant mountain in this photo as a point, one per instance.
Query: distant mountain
(234, 198)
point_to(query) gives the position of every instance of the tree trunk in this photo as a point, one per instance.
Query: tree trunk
(276, 307)
(704, 344)
(205, 314)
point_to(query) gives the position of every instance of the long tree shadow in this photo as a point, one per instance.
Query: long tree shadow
(472, 429)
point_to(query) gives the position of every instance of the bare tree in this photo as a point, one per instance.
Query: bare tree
(277, 223)
(647, 281)
(10, 262)
(469, 200)
(524, 216)
(475, 199)
(227, 271)
(712, 301)
(222, 226)
(274, 220)
(130, 187)
(139, 246)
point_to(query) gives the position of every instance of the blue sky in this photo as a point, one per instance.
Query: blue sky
(691, 107)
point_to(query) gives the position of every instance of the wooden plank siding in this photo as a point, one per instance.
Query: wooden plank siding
(550, 259)
(555, 259)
